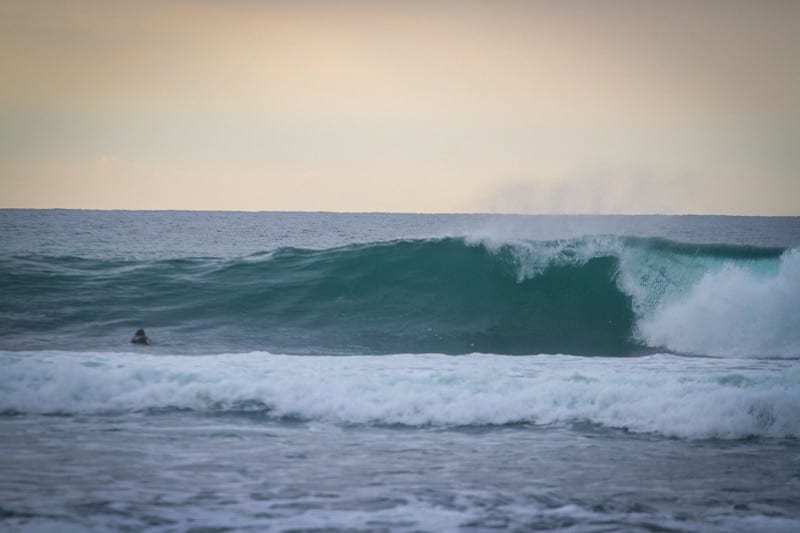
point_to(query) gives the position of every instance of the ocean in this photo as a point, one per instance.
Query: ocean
(398, 372)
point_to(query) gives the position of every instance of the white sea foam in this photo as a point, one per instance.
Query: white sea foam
(733, 311)
(663, 394)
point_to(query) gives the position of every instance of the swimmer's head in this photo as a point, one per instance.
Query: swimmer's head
(140, 338)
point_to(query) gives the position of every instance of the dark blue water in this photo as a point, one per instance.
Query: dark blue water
(411, 372)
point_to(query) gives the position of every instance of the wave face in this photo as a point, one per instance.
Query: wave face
(662, 394)
(585, 296)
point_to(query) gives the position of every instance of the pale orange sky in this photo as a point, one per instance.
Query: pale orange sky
(542, 107)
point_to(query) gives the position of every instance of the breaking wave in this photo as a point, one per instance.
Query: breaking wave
(601, 295)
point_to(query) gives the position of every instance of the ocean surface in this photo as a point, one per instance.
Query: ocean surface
(320, 371)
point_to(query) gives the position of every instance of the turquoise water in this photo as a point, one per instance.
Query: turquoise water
(403, 372)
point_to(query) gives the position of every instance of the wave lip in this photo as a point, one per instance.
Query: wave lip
(661, 394)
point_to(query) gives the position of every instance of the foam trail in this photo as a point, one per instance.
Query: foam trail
(663, 394)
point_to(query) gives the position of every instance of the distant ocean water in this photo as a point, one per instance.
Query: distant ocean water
(403, 372)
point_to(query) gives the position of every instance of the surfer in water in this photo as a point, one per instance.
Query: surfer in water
(140, 337)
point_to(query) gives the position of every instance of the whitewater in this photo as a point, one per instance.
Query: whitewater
(671, 396)
(398, 372)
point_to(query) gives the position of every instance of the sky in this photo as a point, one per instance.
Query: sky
(503, 106)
